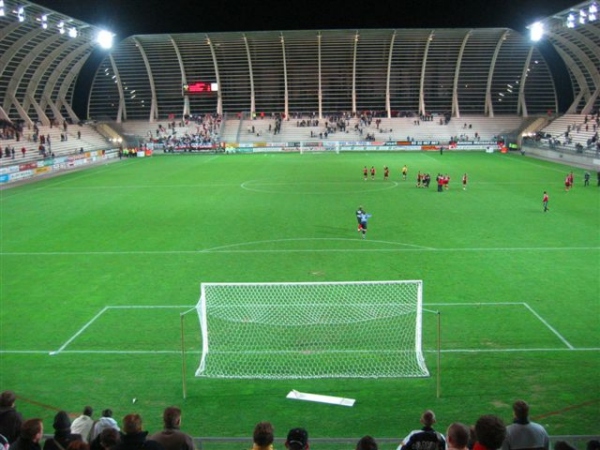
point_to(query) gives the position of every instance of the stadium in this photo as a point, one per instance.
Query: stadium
(177, 226)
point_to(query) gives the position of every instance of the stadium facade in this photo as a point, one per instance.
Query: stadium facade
(392, 71)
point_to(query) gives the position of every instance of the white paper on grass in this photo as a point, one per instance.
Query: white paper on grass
(295, 395)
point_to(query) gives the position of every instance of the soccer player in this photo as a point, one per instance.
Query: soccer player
(465, 180)
(419, 179)
(364, 217)
(365, 173)
(372, 172)
(386, 173)
(568, 182)
(359, 213)
(545, 200)
(404, 172)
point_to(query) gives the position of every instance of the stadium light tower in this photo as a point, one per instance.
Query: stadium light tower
(2, 12)
(105, 39)
(536, 31)
(593, 12)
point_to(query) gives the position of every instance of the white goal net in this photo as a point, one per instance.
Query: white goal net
(311, 330)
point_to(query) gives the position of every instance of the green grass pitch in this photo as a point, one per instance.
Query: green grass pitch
(98, 265)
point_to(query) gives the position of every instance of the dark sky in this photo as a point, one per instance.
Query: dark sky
(127, 17)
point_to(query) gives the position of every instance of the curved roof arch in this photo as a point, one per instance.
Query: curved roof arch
(468, 71)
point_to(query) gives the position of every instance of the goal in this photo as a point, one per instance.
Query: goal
(365, 329)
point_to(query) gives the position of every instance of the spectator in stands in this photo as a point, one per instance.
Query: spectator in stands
(426, 438)
(563, 445)
(10, 419)
(171, 438)
(593, 444)
(133, 437)
(490, 433)
(106, 421)
(106, 440)
(109, 438)
(78, 445)
(62, 433)
(263, 436)
(4, 444)
(457, 436)
(524, 434)
(297, 439)
(30, 436)
(83, 424)
(366, 443)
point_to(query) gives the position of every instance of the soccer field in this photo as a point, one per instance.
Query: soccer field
(98, 266)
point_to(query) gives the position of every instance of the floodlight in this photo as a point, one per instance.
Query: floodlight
(21, 14)
(73, 32)
(44, 21)
(593, 12)
(582, 16)
(61, 27)
(536, 31)
(105, 39)
(2, 13)
(571, 21)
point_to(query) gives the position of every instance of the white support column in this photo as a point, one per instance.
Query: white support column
(286, 99)
(489, 107)
(521, 104)
(186, 99)
(422, 109)
(38, 109)
(217, 76)
(455, 104)
(388, 101)
(320, 92)
(251, 74)
(356, 38)
(154, 101)
(122, 112)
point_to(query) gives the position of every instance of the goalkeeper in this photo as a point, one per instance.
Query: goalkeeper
(359, 213)
(364, 217)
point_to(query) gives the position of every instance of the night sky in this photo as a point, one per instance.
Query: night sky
(127, 17)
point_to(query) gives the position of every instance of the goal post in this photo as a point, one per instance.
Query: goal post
(367, 329)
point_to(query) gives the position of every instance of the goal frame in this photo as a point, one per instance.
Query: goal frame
(416, 309)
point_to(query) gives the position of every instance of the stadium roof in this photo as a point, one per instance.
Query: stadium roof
(462, 70)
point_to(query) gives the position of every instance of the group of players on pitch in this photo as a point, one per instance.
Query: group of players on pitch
(423, 179)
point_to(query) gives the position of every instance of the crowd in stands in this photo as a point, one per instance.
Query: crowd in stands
(84, 433)
(589, 124)
(206, 134)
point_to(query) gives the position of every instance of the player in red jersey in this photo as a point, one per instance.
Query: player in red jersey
(372, 172)
(419, 179)
(568, 183)
(365, 173)
(545, 200)
(465, 180)
(386, 173)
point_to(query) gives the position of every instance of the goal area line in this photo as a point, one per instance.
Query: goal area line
(64, 347)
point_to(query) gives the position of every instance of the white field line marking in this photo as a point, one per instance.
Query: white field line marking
(178, 352)
(191, 308)
(531, 310)
(225, 249)
(263, 187)
(549, 326)
(81, 330)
